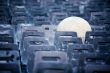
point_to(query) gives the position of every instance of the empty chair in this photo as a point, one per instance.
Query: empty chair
(91, 8)
(34, 48)
(99, 41)
(49, 62)
(97, 28)
(104, 48)
(5, 26)
(97, 18)
(80, 47)
(77, 52)
(63, 42)
(97, 62)
(6, 39)
(57, 17)
(25, 31)
(14, 2)
(18, 14)
(96, 58)
(6, 30)
(73, 11)
(90, 35)
(40, 20)
(9, 58)
(92, 68)
(9, 52)
(68, 4)
(6, 33)
(7, 36)
(45, 3)
(9, 68)
(55, 8)
(107, 27)
(20, 20)
(31, 40)
(8, 46)
(65, 34)
(38, 11)
(18, 10)
(31, 31)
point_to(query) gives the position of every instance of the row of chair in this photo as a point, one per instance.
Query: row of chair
(5, 17)
(37, 51)
(67, 41)
(9, 52)
(41, 49)
(53, 13)
(32, 41)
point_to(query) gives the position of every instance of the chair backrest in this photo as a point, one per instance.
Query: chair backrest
(8, 46)
(7, 39)
(63, 34)
(92, 68)
(81, 47)
(9, 53)
(63, 42)
(99, 41)
(55, 60)
(78, 52)
(6, 33)
(104, 48)
(9, 58)
(5, 27)
(90, 35)
(9, 68)
(32, 49)
(31, 40)
(31, 31)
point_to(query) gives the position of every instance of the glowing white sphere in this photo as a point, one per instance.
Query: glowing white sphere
(75, 24)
